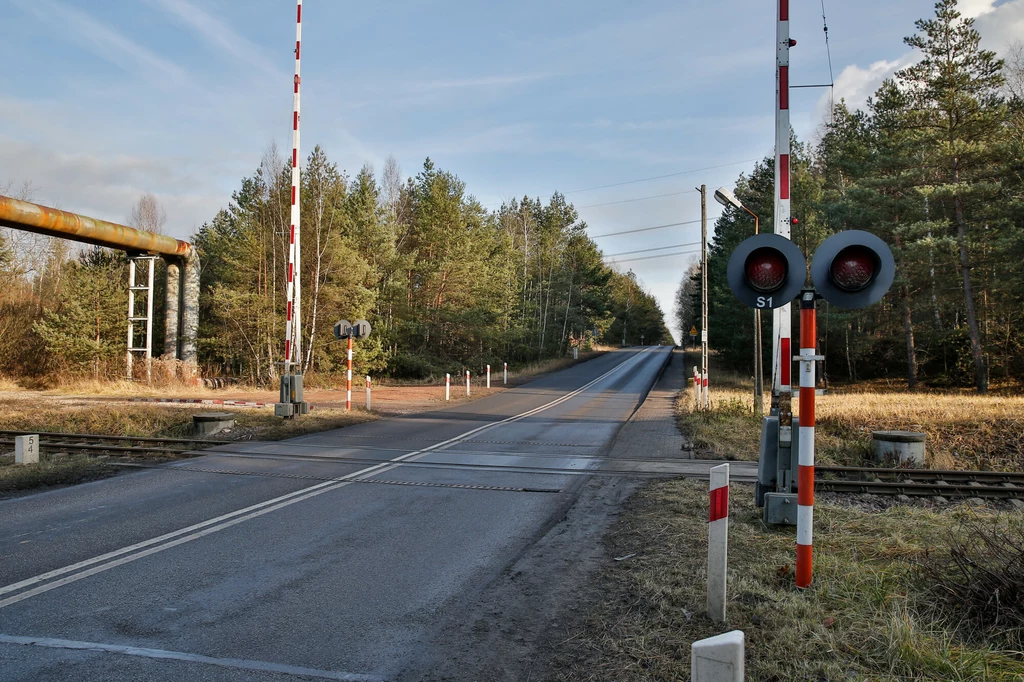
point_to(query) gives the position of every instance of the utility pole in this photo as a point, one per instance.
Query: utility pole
(704, 291)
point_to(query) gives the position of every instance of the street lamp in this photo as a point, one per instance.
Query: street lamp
(725, 197)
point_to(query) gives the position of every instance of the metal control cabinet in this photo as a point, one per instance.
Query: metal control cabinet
(776, 485)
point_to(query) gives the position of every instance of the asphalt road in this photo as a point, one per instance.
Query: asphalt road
(330, 556)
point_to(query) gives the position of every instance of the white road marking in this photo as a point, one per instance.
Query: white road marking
(237, 663)
(173, 539)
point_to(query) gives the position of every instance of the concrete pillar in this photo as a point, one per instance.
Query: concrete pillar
(172, 311)
(190, 309)
(26, 449)
(718, 659)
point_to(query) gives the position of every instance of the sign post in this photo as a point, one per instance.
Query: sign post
(718, 542)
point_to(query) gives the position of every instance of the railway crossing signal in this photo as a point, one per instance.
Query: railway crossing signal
(345, 331)
(851, 269)
(766, 271)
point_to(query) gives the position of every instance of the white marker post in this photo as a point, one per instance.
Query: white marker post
(367, 393)
(488, 376)
(447, 386)
(706, 400)
(575, 353)
(718, 542)
(718, 659)
(506, 373)
(697, 383)
(467, 383)
(26, 449)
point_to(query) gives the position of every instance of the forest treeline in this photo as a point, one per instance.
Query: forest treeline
(445, 283)
(935, 167)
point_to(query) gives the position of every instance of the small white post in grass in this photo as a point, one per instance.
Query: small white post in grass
(447, 386)
(575, 353)
(26, 449)
(696, 386)
(718, 659)
(367, 392)
(706, 399)
(718, 542)
(506, 373)
(488, 376)
(467, 383)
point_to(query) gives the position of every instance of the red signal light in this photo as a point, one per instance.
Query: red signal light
(766, 269)
(853, 268)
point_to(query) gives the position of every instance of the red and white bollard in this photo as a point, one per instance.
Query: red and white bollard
(506, 374)
(718, 542)
(705, 399)
(367, 393)
(805, 474)
(488, 376)
(348, 382)
(467, 383)
(447, 387)
(697, 384)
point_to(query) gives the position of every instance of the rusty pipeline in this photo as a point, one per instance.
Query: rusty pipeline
(23, 215)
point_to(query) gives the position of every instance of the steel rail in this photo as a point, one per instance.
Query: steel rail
(918, 489)
(90, 436)
(929, 474)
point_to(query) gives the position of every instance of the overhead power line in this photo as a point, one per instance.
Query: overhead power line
(664, 255)
(659, 177)
(645, 229)
(657, 248)
(653, 196)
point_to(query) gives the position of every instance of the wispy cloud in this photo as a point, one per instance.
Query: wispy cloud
(220, 35)
(105, 41)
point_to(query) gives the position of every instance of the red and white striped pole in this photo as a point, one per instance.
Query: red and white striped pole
(488, 376)
(367, 392)
(718, 542)
(782, 362)
(698, 386)
(348, 381)
(467, 383)
(704, 390)
(805, 474)
(447, 387)
(293, 312)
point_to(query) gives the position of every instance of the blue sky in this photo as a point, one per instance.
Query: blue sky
(103, 100)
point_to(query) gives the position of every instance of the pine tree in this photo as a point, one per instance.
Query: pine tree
(957, 105)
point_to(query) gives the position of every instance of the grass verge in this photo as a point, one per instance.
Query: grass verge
(869, 614)
(964, 431)
(169, 421)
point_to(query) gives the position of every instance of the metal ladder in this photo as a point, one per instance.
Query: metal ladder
(146, 350)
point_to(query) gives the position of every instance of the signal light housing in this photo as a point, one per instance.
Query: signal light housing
(766, 271)
(853, 269)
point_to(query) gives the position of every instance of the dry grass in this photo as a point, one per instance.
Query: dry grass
(861, 620)
(964, 431)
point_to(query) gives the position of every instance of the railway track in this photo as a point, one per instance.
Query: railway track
(852, 480)
(97, 445)
(920, 482)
